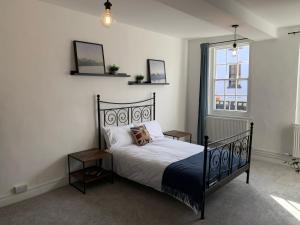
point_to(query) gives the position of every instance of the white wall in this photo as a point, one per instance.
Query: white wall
(273, 90)
(47, 113)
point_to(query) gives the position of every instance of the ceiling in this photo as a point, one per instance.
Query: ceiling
(258, 20)
(281, 13)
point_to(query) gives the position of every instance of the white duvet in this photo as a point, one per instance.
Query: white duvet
(146, 164)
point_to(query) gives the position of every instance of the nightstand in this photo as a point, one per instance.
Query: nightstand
(88, 168)
(178, 134)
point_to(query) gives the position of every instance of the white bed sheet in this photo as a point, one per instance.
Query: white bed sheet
(146, 164)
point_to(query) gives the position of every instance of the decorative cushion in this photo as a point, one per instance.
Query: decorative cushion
(118, 136)
(154, 129)
(140, 135)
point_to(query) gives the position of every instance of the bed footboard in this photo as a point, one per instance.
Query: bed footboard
(224, 160)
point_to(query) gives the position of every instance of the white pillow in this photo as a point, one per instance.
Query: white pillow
(118, 136)
(154, 129)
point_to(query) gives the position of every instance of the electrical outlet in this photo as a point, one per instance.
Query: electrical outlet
(20, 188)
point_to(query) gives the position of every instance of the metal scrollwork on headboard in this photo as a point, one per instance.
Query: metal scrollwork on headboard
(119, 114)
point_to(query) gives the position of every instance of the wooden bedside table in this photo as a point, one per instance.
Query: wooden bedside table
(178, 134)
(90, 170)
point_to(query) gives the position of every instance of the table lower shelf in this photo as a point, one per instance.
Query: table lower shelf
(81, 175)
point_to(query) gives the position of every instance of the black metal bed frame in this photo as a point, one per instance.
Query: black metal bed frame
(124, 113)
(224, 159)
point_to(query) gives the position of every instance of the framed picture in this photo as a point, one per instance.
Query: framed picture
(89, 57)
(156, 71)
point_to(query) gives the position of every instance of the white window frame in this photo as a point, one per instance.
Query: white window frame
(226, 113)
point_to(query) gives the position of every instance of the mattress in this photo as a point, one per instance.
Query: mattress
(146, 164)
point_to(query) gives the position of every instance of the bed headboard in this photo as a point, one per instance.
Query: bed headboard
(118, 114)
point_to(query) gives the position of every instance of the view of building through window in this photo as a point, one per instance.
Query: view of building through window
(230, 78)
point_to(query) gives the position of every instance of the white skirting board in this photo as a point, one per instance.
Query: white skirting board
(39, 189)
(265, 155)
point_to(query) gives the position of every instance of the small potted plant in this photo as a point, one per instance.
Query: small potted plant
(139, 78)
(113, 69)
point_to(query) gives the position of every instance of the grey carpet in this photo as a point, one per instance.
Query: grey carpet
(127, 203)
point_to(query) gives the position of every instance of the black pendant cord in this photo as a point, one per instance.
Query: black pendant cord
(235, 26)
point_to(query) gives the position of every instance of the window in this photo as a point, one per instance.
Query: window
(229, 79)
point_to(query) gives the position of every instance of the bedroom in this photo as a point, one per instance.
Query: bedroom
(46, 113)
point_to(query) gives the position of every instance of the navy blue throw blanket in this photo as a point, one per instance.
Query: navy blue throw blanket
(183, 180)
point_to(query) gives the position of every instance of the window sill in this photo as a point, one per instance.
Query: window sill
(235, 115)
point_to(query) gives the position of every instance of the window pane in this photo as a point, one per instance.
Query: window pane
(219, 87)
(221, 56)
(241, 103)
(219, 102)
(242, 87)
(221, 72)
(231, 58)
(244, 70)
(230, 102)
(243, 54)
(230, 87)
(233, 71)
(231, 79)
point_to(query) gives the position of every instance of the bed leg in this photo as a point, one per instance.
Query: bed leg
(204, 176)
(202, 209)
(248, 176)
(202, 214)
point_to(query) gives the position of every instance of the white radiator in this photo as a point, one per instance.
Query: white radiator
(222, 127)
(296, 146)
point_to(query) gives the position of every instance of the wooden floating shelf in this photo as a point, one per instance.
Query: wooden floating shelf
(146, 83)
(75, 73)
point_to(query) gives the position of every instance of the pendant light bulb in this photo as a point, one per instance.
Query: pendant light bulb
(107, 16)
(234, 52)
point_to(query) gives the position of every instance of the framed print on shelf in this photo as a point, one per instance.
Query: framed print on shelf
(156, 71)
(89, 57)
